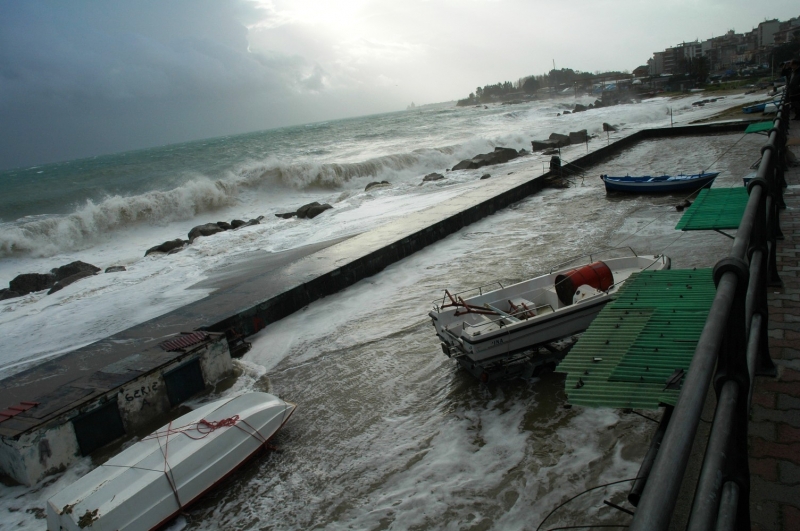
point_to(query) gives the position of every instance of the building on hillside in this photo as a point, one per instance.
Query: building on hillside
(788, 31)
(766, 32)
(656, 64)
(641, 71)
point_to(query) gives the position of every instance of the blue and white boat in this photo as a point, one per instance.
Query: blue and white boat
(658, 184)
(759, 107)
(766, 107)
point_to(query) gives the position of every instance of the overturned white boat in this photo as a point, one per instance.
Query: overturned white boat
(149, 483)
(497, 333)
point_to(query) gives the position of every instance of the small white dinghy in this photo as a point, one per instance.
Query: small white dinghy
(148, 484)
(493, 330)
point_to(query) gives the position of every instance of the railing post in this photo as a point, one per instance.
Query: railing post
(732, 365)
(758, 254)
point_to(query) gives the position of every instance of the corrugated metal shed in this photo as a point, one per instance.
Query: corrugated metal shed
(639, 340)
(715, 209)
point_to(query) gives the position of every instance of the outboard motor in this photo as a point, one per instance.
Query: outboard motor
(597, 275)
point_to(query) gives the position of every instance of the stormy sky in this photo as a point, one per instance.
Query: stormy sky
(85, 78)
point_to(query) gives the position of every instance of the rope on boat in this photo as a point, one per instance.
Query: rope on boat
(205, 428)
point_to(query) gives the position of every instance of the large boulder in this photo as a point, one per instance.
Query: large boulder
(236, 223)
(203, 230)
(69, 280)
(579, 108)
(432, 177)
(256, 221)
(115, 269)
(302, 212)
(559, 140)
(6, 293)
(578, 137)
(376, 184)
(504, 154)
(608, 127)
(485, 176)
(285, 215)
(224, 225)
(166, 247)
(316, 210)
(538, 145)
(30, 282)
(466, 164)
(73, 268)
(485, 159)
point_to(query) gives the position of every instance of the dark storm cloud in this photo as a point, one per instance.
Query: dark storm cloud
(81, 78)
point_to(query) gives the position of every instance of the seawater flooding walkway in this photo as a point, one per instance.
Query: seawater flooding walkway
(59, 394)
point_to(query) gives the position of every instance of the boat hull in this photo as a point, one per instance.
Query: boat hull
(149, 483)
(754, 108)
(660, 184)
(481, 342)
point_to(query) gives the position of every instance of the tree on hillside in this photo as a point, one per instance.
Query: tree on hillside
(785, 52)
(531, 85)
(698, 68)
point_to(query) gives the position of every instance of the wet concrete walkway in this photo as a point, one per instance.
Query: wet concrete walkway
(774, 434)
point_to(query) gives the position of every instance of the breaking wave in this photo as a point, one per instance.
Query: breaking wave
(49, 235)
(337, 175)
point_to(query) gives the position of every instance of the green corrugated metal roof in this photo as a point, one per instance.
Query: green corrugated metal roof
(759, 127)
(649, 330)
(715, 208)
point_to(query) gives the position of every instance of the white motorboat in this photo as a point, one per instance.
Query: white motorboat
(148, 484)
(490, 330)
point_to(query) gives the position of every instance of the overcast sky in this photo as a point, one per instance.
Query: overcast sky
(86, 78)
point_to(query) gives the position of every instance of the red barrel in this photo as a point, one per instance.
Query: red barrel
(598, 275)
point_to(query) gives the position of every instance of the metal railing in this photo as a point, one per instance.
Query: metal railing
(733, 348)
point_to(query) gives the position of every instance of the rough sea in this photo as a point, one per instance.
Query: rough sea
(388, 434)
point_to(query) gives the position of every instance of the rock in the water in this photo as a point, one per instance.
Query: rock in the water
(303, 210)
(559, 140)
(115, 269)
(69, 280)
(579, 108)
(578, 137)
(485, 176)
(608, 127)
(433, 177)
(522, 152)
(566, 112)
(236, 223)
(73, 268)
(224, 225)
(284, 215)
(316, 210)
(6, 293)
(30, 282)
(464, 165)
(375, 184)
(203, 230)
(167, 247)
(504, 154)
(538, 145)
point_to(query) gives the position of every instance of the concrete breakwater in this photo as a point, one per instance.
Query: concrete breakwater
(69, 386)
